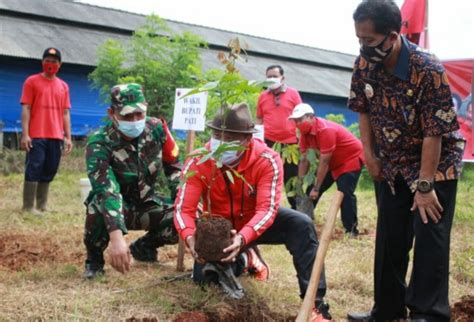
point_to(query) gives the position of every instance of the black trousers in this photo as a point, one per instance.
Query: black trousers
(296, 231)
(290, 170)
(397, 227)
(346, 183)
(42, 161)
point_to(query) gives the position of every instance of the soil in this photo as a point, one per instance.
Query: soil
(134, 319)
(248, 310)
(22, 251)
(193, 316)
(212, 236)
(463, 311)
(234, 311)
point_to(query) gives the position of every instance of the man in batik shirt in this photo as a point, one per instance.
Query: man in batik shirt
(124, 159)
(413, 148)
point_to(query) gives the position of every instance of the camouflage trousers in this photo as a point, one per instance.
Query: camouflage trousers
(155, 219)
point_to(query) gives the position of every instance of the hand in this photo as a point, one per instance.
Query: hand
(67, 146)
(26, 143)
(191, 241)
(374, 166)
(234, 248)
(314, 194)
(119, 252)
(428, 206)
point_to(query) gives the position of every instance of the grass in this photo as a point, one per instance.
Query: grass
(47, 256)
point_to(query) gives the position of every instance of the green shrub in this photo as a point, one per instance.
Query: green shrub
(468, 172)
(157, 58)
(365, 181)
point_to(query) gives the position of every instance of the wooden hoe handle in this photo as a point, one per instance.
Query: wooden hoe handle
(308, 303)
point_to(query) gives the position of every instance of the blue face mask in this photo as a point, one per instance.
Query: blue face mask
(131, 129)
(228, 157)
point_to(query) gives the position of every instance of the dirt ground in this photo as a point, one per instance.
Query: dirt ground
(21, 251)
(234, 311)
(463, 311)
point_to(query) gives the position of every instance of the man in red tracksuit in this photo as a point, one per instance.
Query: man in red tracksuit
(251, 203)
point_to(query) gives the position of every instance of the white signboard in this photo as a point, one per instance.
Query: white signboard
(189, 111)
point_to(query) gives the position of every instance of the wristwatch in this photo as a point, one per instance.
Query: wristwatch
(425, 186)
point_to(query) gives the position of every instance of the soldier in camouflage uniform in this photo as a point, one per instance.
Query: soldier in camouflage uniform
(124, 158)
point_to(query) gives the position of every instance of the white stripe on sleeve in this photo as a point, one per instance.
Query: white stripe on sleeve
(273, 188)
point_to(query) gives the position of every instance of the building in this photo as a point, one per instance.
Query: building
(28, 27)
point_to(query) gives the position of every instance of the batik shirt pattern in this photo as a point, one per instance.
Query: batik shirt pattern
(405, 107)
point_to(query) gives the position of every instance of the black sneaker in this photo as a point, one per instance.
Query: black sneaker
(93, 271)
(142, 253)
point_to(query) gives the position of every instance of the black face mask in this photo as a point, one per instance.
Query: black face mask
(375, 54)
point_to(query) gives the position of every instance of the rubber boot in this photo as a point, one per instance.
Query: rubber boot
(94, 266)
(29, 194)
(42, 196)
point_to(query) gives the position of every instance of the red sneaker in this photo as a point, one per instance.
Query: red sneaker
(256, 266)
(321, 313)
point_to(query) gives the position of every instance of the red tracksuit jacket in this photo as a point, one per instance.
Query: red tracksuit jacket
(250, 205)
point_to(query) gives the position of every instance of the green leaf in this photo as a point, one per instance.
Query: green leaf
(188, 175)
(199, 152)
(338, 118)
(205, 158)
(277, 147)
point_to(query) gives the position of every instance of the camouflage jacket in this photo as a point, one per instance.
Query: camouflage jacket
(126, 171)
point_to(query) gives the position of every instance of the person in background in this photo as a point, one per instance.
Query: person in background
(340, 160)
(413, 148)
(274, 107)
(46, 127)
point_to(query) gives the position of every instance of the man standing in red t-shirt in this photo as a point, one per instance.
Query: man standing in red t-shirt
(46, 124)
(274, 107)
(340, 160)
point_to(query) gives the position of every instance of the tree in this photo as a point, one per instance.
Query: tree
(340, 119)
(156, 58)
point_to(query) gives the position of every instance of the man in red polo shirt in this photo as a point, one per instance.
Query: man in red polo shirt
(340, 160)
(46, 127)
(274, 107)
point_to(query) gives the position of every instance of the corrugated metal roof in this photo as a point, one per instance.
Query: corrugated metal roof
(84, 13)
(28, 39)
(78, 30)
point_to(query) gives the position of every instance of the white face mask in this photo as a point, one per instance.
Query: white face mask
(228, 157)
(276, 82)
